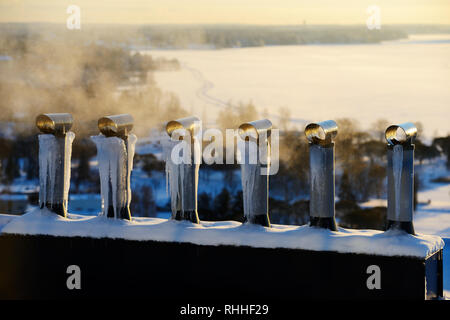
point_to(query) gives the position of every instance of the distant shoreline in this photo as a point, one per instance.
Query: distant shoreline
(219, 36)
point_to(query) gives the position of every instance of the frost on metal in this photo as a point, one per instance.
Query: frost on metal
(322, 181)
(115, 161)
(254, 183)
(397, 166)
(255, 166)
(54, 155)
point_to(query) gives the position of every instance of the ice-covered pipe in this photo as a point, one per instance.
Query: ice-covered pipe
(115, 152)
(321, 163)
(255, 165)
(55, 152)
(183, 173)
(400, 173)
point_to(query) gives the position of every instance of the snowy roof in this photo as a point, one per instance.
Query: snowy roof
(391, 243)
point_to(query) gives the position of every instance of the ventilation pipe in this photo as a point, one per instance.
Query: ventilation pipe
(255, 164)
(183, 170)
(321, 167)
(400, 173)
(55, 152)
(115, 152)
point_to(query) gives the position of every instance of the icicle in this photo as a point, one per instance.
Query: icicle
(115, 164)
(181, 168)
(173, 183)
(54, 170)
(70, 136)
(131, 147)
(55, 151)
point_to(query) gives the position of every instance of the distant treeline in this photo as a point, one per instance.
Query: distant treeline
(216, 36)
(256, 36)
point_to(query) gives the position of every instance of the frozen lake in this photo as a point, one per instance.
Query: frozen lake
(406, 80)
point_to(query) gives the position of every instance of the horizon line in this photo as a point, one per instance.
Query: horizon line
(227, 24)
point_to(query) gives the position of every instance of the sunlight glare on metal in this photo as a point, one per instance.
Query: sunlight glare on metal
(401, 133)
(321, 133)
(116, 125)
(54, 123)
(255, 129)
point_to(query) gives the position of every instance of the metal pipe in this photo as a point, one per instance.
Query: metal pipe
(54, 123)
(400, 173)
(256, 128)
(255, 176)
(191, 124)
(116, 125)
(116, 150)
(55, 149)
(322, 173)
(184, 176)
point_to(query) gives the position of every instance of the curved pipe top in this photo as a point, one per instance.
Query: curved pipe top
(192, 124)
(401, 133)
(116, 125)
(54, 123)
(322, 132)
(255, 128)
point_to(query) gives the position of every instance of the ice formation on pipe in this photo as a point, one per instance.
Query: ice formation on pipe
(322, 181)
(317, 173)
(249, 173)
(254, 183)
(173, 184)
(397, 166)
(53, 152)
(115, 161)
(182, 180)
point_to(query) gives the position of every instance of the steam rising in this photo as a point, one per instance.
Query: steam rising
(74, 75)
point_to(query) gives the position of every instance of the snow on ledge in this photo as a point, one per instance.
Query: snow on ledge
(5, 219)
(391, 243)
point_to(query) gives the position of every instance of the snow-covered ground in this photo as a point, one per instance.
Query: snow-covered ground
(398, 80)
(429, 218)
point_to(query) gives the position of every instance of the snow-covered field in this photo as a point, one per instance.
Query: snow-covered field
(399, 80)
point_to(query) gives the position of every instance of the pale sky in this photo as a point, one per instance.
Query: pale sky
(227, 11)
